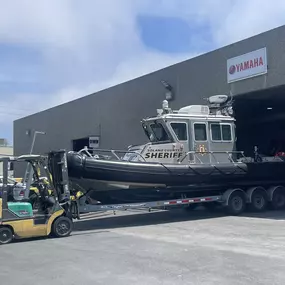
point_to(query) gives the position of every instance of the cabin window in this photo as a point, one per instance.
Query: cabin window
(226, 132)
(159, 132)
(221, 132)
(180, 129)
(216, 132)
(200, 132)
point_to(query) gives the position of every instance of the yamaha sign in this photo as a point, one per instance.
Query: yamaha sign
(247, 65)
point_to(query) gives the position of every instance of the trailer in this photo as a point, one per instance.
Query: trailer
(78, 209)
(234, 201)
(190, 159)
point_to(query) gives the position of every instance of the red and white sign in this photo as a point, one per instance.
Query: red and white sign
(247, 65)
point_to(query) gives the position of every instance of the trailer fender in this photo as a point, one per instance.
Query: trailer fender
(226, 196)
(251, 190)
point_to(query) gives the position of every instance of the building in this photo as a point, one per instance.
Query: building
(5, 150)
(252, 70)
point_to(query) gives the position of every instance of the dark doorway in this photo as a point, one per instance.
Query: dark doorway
(80, 143)
(260, 121)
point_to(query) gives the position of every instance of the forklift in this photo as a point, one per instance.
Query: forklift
(52, 217)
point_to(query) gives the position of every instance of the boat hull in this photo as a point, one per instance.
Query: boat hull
(126, 182)
(141, 173)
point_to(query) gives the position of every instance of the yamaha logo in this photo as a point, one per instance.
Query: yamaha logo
(232, 69)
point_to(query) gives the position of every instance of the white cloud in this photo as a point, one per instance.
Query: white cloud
(229, 20)
(247, 18)
(98, 40)
(27, 103)
(93, 44)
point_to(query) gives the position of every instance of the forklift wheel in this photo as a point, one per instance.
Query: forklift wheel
(62, 227)
(6, 235)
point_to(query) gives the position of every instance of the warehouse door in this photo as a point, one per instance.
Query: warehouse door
(260, 121)
(79, 144)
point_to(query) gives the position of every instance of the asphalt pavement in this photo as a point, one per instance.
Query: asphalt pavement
(168, 247)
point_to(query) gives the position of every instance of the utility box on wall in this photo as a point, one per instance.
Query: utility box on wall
(94, 142)
(89, 142)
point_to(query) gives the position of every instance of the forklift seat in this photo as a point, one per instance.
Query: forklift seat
(49, 201)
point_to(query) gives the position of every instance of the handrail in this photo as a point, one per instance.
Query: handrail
(112, 151)
(179, 160)
(115, 153)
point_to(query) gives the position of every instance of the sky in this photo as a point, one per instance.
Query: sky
(52, 52)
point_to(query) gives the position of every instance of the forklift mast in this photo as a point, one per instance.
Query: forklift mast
(57, 167)
(5, 209)
(5, 185)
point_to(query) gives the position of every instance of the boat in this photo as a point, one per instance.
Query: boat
(188, 151)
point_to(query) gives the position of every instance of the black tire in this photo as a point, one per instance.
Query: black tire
(259, 201)
(236, 203)
(278, 199)
(62, 227)
(6, 235)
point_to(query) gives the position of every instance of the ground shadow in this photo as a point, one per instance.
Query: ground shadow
(33, 239)
(103, 221)
(29, 239)
(110, 221)
(144, 219)
(271, 215)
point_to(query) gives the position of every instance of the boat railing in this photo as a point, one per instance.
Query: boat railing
(110, 153)
(196, 154)
(120, 155)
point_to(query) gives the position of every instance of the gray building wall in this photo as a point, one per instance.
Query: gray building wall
(115, 113)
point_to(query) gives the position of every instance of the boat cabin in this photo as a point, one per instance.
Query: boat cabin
(192, 134)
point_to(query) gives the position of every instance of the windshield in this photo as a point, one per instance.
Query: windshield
(146, 131)
(159, 132)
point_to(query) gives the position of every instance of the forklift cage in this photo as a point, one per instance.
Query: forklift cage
(55, 167)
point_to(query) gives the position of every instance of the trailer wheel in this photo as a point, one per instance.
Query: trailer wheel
(278, 199)
(6, 235)
(258, 200)
(236, 203)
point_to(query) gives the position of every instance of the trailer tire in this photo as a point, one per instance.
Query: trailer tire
(258, 200)
(236, 203)
(278, 198)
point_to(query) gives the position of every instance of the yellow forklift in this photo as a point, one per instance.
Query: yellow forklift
(53, 216)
